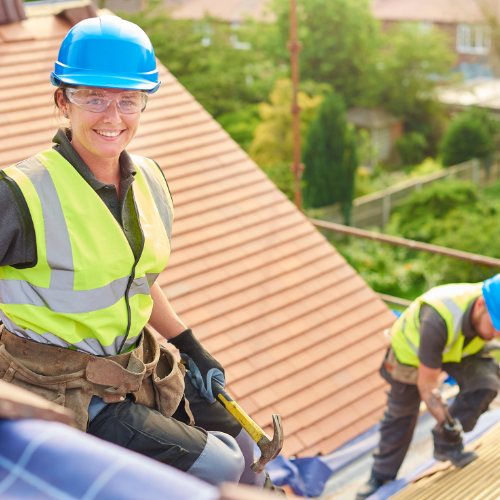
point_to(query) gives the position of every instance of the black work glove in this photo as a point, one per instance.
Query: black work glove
(452, 433)
(205, 366)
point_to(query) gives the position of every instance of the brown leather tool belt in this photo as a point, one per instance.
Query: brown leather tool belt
(402, 373)
(150, 373)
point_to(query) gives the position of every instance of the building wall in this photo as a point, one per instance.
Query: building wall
(451, 30)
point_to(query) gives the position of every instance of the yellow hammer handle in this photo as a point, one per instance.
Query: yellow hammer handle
(246, 422)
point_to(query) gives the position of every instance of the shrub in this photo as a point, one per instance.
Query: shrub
(417, 216)
(411, 148)
(470, 135)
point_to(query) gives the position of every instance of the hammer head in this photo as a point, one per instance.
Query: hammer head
(269, 448)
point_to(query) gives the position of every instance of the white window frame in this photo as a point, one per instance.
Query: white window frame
(473, 39)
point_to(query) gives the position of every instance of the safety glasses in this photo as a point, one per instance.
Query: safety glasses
(98, 100)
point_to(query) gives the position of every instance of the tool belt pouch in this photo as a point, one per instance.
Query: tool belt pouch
(66, 387)
(163, 384)
(401, 373)
(168, 380)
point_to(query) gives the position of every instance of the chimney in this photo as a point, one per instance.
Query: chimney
(11, 11)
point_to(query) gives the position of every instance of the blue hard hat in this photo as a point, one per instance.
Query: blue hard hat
(491, 294)
(107, 52)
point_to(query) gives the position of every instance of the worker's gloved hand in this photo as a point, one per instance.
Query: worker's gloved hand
(203, 367)
(452, 433)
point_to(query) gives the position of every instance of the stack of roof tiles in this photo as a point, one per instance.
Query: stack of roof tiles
(298, 331)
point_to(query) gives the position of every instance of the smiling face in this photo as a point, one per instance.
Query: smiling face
(99, 136)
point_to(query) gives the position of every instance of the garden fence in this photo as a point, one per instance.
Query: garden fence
(375, 209)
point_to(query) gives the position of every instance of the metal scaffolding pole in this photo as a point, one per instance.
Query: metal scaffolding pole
(294, 47)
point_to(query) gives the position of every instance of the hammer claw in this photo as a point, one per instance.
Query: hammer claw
(269, 448)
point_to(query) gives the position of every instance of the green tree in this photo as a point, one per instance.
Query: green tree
(273, 138)
(340, 39)
(407, 72)
(210, 58)
(471, 134)
(330, 157)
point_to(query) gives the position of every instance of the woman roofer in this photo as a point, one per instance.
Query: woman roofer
(84, 232)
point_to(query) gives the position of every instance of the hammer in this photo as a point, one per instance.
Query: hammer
(269, 448)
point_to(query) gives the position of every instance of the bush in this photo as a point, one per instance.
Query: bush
(282, 176)
(470, 135)
(418, 216)
(411, 148)
(241, 124)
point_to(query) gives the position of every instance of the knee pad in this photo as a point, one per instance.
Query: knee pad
(247, 447)
(220, 461)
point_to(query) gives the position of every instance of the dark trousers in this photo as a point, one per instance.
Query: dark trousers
(168, 440)
(478, 379)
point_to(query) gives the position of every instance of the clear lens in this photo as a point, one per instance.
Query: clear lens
(98, 100)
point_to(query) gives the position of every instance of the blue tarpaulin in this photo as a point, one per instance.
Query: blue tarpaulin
(50, 461)
(308, 476)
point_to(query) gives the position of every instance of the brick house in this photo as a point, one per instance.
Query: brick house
(462, 20)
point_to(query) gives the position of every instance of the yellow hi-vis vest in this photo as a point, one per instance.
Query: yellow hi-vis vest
(451, 302)
(87, 290)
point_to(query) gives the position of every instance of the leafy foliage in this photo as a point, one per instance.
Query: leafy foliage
(411, 147)
(459, 216)
(282, 176)
(418, 218)
(241, 124)
(339, 40)
(273, 138)
(470, 135)
(202, 55)
(330, 157)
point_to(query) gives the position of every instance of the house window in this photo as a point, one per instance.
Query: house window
(473, 39)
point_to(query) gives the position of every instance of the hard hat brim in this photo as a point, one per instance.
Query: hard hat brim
(108, 82)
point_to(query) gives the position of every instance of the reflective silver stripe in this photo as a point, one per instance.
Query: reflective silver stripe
(88, 346)
(140, 286)
(410, 343)
(159, 196)
(457, 315)
(18, 292)
(57, 241)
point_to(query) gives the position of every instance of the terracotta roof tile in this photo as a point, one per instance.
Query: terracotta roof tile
(297, 330)
(439, 11)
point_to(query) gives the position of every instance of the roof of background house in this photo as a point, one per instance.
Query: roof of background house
(438, 11)
(370, 117)
(229, 10)
(298, 331)
(483, 92)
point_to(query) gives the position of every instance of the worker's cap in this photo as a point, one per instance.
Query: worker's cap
(491, 294)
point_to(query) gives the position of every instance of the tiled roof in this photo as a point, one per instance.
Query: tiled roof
(479, 480)
(298, 331)
(228, 10)
(438, 11)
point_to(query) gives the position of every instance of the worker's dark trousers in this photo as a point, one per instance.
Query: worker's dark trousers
(216, 449)
(478, 380)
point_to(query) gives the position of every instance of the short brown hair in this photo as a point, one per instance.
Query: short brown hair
(62, 86)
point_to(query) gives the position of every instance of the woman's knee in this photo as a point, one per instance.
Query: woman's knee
(220, 461)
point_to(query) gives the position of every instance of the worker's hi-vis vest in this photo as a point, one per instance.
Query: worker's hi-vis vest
(451, 302)
(87, 290)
